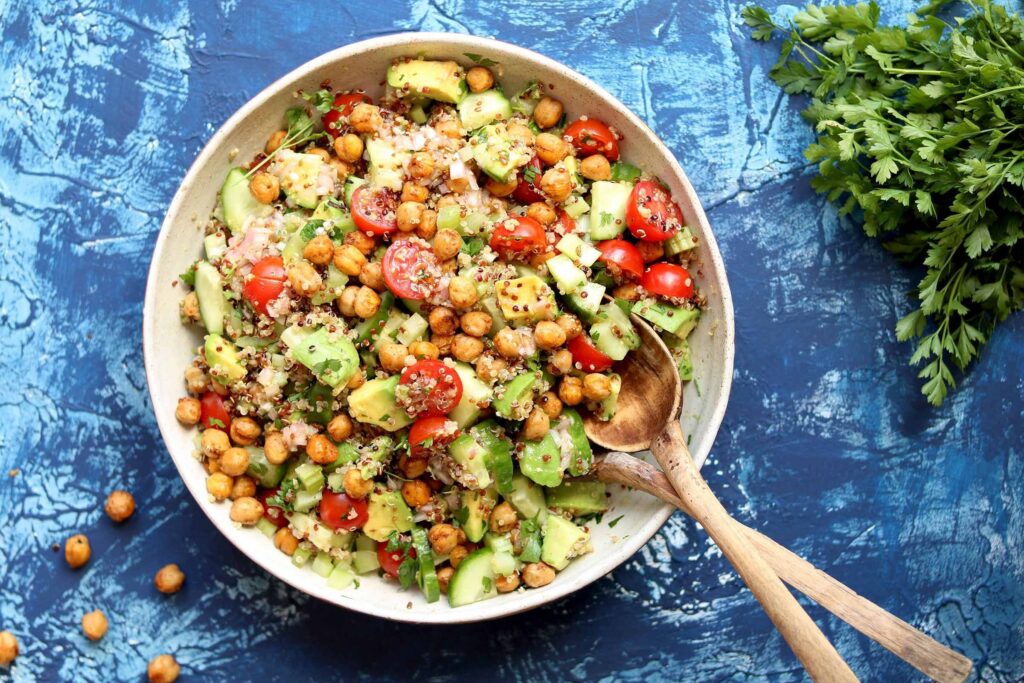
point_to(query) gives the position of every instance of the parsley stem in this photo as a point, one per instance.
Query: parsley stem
(990, 93)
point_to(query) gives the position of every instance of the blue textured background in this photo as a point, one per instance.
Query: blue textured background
(827, 445)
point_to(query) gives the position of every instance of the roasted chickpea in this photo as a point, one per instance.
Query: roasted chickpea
(548, 112)
(244, 431)
(234, 461)
(196, 380)
(561, 362)
(537, 574)
(449, 128)
(214, 442)
(188, 411)
(424, 349)
(457, 555)
(304, 279)
(421, 165)
(428, 225)
(447, 200)
(462, 292)
(413, 192)
(479, 78)
(443, 538)
(163, 669)
(551, 149)
(340, 427)
(466, 348)
(476, 323)
(444, 577)
(651, 251)
(219, 485)
(169, 579)
(77, 551)
(447, 244)
(628, 291)
(275, 449)
(596, 167)
(556, 183)
(372, 275)
(355, 485)
(523, 134)
(190, 307)
(285, 541)
(319, 250)
(416, 493)
(320, 152)
(242, 486)
(490, 368)
(94, 625)
(361, 241)
(392, 356)
(358, 380)
(550, 404)
(408, 215)
(443, 342)
(536, 425)
(342, 169)
(120, 505)
(264, 187)
(365, 118)
(503, 518)
(507, 583)
(570, 324)
(596, 386)
(346, 303)
(549, 334)
(367, 302)
(349, 147)
(412, 467)
(320, 450)
(542, 213)
(509, 343)
(570, 391)
(457, 185)
(443, 320)
(275, 140)
(501, 189)
(246, 511)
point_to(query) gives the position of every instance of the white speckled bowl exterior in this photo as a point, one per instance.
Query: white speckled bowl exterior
(168, 345)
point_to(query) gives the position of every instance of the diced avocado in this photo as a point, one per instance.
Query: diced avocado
(222, 357)
(673, 319)
(497, 453)
(374, 403)
(469, 456)
(414, 328)
(579, 497)
(498, 153)
(586, 302)
(523, 270)
(605, 408)
(480, 109)
(300, 176)
(608, 201)
(474, 580)
(373, 456)
(476, 511)
(266, 474)
(334, 285)
(474, 395)
(526, 298)
(583, 454)
(442, 81)
(516, 400)
(567, 275)
(236, 200)
(680, 350)
(680, 242)
(528, 499)
(577, 250)
(214, 245)
(541, 461)
(613, 333)
(332, 358)
(386, 512)
(351, 183)
(386, 164)
(563, 541)
(213, 305)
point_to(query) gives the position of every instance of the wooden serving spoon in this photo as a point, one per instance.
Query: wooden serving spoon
(647, 417)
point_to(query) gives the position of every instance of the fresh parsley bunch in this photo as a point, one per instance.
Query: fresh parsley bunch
(922, 130)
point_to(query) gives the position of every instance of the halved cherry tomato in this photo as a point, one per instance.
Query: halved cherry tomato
(212, 412)
(433, 388)
(567, 222)
(373, 209)
(591, 136)
(343, 105)
(338, 511)
(272, 513)
(391, 561)
(660, 217)
(267, 283)
(586, 354)
(518, 238)
(411, 270)
(429, 434)
(529, 192)
(668, 279)
(621, 258)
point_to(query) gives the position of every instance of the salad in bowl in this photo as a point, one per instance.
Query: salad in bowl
(406, 307)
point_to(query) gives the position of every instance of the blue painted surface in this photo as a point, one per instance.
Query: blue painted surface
(827, 444)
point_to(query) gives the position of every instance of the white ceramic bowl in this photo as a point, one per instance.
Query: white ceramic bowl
(168, 345)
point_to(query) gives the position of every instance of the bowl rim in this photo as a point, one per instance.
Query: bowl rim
(628, 547)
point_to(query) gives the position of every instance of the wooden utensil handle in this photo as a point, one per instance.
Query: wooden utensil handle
(807, 641)
(922, 652)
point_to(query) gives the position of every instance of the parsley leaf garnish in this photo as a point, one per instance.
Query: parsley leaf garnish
(322, 100)
(189, 276)
(480, 60)
(214, 422)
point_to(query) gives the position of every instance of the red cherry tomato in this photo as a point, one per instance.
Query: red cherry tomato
(651, 215)
(343, 105)
(391, 561)
(621, 258)
(528, 193)
(267, 283)
(411, 270)
(373, 209)
(668, 279)
(518, 237)
(434, 431)
(272, 513)
(567, 222)
(433, 388)
(591, 136)
(338, 511)
(212, 412)
(586, 354)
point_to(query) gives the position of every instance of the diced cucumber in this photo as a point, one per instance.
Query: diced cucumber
(364, 542)
(365, 561)
(474, 394)
(467, 452)
(215, 245)
(575, 206)
(605, 409)
(504, 563)
(236, 200)
(673, 319)
(332, 358)
(310, 476)
(306, 501)
(680, 242)
(541, 461)
(341, 577)
(579, 497)
(479, 109)
(586, 302)
(527, 498)
(351, 183)
(497, 454)
(391, 326)
(584, 456)
(266, 527)
(266, 475)
(680, 350)
(418, 114)
(513, 402)
(427, 577)
(579, 251)
(301, 556)
(213, 305)
(322, 564)
(371, 327)
(490, 307)
(613, 333)
(569, 278)
(334, 284)
(414, 328)
(473, 581)
(448, 217)
(608, 209)
(386, 163)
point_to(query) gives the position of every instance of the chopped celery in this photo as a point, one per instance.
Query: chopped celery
(310, 476)
(301, 556)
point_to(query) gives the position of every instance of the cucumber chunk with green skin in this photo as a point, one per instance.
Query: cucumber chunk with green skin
(365, 561)
(613, 333)
(351, 183)
(563, 541)
(541, 461)
(474, 394)
(680, 350)
(579, 497)
(586, 302)
(605, 409)
(299, 175)
(306, 500)
(672, 319)
(475, 512)
(414, 328)
(331, 358)
(266, 474)
(236, 200)
(222, 357)
(608, 201)
(333, 286)
(578, 250)
(341, 577)
(470, 456)
(213, 305)
(498, 153)
(584, 453)
(497, 454)
(516, 400)
(569, 278)
(301, 556)
(427, 577)
(474, 580)
(364, 542)
(386, 512)
(214, 245)
(527, 498)
(479, 109)
(680, 242)
(530, 540)
(370, 328)
(322, 565)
